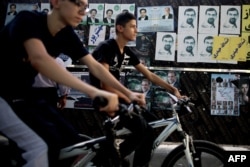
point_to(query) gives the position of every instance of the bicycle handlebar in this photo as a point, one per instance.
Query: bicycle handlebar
(182, 102)
(99, 102)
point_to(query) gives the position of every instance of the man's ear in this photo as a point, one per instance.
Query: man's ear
(54, 3)
(119, 28)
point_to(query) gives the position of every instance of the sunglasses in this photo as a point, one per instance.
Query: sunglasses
(82, 6)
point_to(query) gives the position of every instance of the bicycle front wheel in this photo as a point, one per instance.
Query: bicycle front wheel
(205, 152)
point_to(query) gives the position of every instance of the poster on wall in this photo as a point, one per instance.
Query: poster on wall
(155, 18)
(112, 10)
(209, 19)
(244, 92)
(230, 19)
(187, 48)
(14, 8)
(160, 98)
(139, 83)
(171, 77)
(96, 34)
(77, 99)
(145, 41)
(188, 19)
(229, 48)
(165, 46)
(205, 48)
(225, 95)
(217, 50)
(95, 14)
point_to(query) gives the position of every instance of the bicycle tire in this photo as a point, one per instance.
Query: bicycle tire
(204, 150)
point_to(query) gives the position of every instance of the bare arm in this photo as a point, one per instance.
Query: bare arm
(108, 79)
(47, 66)
(111, 89)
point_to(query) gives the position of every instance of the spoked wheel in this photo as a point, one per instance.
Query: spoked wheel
(204, 152)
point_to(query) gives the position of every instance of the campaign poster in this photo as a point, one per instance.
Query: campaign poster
(77, 99)
(225, 95)
(155, 18)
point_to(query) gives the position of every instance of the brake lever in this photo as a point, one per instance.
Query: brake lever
(184, 102)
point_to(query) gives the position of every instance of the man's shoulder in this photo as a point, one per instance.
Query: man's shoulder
(104, 46)
(29, 14)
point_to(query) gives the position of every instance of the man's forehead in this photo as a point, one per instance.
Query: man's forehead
(85, 2)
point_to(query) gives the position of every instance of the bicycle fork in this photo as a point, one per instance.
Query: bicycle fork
(188, 143)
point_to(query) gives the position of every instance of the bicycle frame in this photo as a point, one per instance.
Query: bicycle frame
(171, 124)
(89, 147)
(86, 148)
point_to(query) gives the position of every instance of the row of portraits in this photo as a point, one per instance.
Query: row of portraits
(156, 97)
(162, 46)
(159, 18)
(228, 91)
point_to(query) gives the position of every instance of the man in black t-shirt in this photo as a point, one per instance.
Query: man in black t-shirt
(113, 54)
(35, 39)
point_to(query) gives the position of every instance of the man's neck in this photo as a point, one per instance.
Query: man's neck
(121, 42)
(54, 23)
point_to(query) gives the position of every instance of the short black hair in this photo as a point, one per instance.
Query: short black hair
(13, 4)
(188, 37)
(210, 10)
(93, 10)
(109, 10)
(208, 37)
(232, 9)
(123, 18)
(189, 10)
(167, 36)
(143, 9)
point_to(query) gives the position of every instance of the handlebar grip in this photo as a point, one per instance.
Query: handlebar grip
(99, 102)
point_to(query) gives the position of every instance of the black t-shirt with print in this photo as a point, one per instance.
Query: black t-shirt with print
(109, 52)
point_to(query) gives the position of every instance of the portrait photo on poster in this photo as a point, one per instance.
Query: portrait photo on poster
(244, 91)
(14, 8)
(155, 18)
(209, 19)
(188, 19)
(230, 19)
(165, 46)
(172, 77)
(145, 43)
(205, 48)
(187, 48)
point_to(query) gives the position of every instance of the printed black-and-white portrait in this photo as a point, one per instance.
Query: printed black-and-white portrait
(209, 19)
(205, 48)
(230, 19)
(165, 46)
(187, 19)
(187, 48)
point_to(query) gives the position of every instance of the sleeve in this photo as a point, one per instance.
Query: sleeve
(133, 56)
(71, 44)
(25, 26)
(103, 53)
